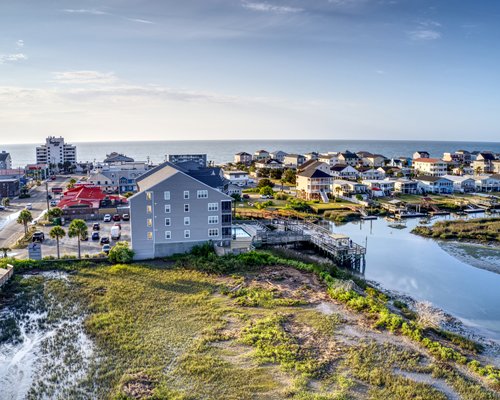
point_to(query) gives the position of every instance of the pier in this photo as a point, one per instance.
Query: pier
(280, 232)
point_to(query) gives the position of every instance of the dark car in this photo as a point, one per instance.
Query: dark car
(85, 238)
(246, 196)
(38, 237)
(105, 240)
(117, 217)
(95, 236)
(126, 217)
(96, 227)
(106, 248)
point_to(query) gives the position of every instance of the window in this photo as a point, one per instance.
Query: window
(167, 222)
(187, 234)
(213, 206)
(213, 219)
(186, 194)
(186, 207)
(202, 194)
(167, 208)
(149, 195)
(213, 232)
(166, 195)
(187, 221)
(226, 206)
(226, 231)
(168, 235)
(149, 209)
(150, 236)
(150, 222)
(226, 218)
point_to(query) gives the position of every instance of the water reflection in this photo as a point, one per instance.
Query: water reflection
(421, 268)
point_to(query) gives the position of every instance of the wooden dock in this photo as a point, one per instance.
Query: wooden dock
(340, 248)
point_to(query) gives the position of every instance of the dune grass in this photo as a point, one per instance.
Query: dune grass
(478, 230)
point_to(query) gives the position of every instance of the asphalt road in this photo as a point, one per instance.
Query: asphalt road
(10, 230)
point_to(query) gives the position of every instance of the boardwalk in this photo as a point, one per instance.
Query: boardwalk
(340, 248)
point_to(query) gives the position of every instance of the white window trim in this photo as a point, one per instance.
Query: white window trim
(187, 221)
(168, 235)
(166, 195)
(149, 195)
(187, 234)
(215, 206)
(188, 208)
(149, 209)
(169, 220)
(186, 194)
(215, 230)
(202, 194)
(149, 235)
(213, 222)
(149, 222)
(169, 208)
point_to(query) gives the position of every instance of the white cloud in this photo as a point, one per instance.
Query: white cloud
(84, 77)
(267, 7)
(91, 11)
(20, 43)
(424, 34)
(6, 58)
(140, 21)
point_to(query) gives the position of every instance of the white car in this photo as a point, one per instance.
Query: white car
(107, 218)
(53, 203)
(29, 206)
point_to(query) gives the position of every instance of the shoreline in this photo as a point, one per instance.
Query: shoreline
(464, 252)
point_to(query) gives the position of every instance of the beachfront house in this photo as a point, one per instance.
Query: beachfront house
(239, 178)
(487, 183)
(430, 166)
(330, 158)
(434, 184)
(462, 184)
(420, 154)
(261, 155)
(268, 163)
(405, 186)
(243, 158)
(278, 155)
(313, 184)
(343, 171)
(348, 158)
(346, 188)
(379, 188)
(371, 173)
(173, 211)
(483, 164)
(294, 160)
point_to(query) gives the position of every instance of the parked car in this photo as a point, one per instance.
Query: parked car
(95, 236)
(117, 217)
(246, 196)
(107, 218)
(96, 227)
(118, 225)
(2, 208)
(106, 248)
(53, 178)
(105, 240)
(53, 203)
(265, 196)
(126, 217)
(38, 237)
(29, 206)
(115, 233)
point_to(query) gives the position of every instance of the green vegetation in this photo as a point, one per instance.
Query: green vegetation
(24, 218)
(121, 253)
(480, 229)
(243, 327)
(78, 228)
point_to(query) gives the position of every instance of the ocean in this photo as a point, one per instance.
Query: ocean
(221, 151)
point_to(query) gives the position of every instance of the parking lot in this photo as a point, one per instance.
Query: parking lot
(70, 245)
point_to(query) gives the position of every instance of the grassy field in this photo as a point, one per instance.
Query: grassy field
(251, 327)
(478, 230)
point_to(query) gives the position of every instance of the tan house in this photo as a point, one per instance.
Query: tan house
(430, 166)
(314, 184)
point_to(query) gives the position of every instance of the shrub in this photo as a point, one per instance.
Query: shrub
(121, 253)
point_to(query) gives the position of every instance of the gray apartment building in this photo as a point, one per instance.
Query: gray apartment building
(173, 211)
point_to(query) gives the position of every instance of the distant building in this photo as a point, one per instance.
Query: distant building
(119, 177)
(9, 187)
(430, 166)
(173, 211)
(331, 159)
(460, 157)
(483, 164)
(294, 160)
(5, 160)
(348, 158)
(406, 186)
(434, 184)
(311, 156)
(462, 184)
(56, 153)
(243, 158)
(314, 184)
(115, 157)
(269, 163)
(237, 177)
(343, 171)
(379, 188)
(421, 154)
(200, 159)
(261, 155)
(278, 155)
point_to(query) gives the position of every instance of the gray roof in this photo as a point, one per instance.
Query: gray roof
(4, 155)
(426, 178)
(314, 173)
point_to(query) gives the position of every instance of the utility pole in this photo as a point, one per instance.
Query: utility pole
(47, 193)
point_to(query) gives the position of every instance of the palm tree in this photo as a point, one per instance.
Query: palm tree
(25, 218)
(71, 183)
(57, 233)
(53, 213)
(4, 250)
(78, 228)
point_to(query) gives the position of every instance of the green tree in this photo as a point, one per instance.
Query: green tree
(5, 202)
(128, 194)
(4, 250)
(53, 213)
(266, 191)
(24, 218)
(290, 176)
(236, 196)
(71, 183)
(265, 182)
(78, 228)
(57, 233)
(121, 253)
(275, 173)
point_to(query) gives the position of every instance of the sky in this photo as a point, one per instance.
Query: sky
(249, 69)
